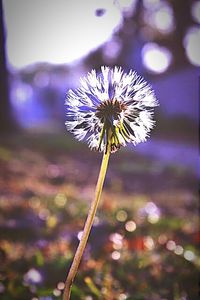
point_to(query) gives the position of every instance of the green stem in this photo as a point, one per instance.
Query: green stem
(87, 227)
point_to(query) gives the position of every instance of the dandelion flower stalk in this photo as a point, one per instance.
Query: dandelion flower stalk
(87, 227)
(108, 110)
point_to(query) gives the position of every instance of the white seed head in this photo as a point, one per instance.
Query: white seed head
(112, 107)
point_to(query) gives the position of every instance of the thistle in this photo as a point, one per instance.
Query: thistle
(108, 110)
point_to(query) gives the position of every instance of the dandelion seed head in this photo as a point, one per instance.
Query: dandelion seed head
(112, 107)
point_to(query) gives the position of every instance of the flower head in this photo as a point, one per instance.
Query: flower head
(111, 108)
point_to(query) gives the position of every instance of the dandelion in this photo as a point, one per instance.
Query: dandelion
(114, 103)
(108, 110)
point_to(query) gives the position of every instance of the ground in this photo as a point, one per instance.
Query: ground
(144, 243)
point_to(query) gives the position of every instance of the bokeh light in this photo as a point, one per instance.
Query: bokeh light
(112, 49)
(191, 43)
(162, 239)
(164, 20)
(2, 288)
(130, 226)
(61, 285)
(195, 11)
(189, 255)
(52, 221)
(88, 298)
(21, 94)
(171, 245)
(149, 242)
(56, 292)
(60, 200)
(156, 59)
(115, 255)
(116, 238)
(178, 250)
(79, 235)
(151, 211)
(123, 296)
(159, 16)
(33, 276)
(44, 214)
(121, 215)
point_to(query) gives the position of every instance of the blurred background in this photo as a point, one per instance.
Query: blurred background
(144, 241)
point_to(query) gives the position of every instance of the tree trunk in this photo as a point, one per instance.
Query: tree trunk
(7, 123)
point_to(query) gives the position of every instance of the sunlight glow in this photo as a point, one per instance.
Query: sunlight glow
(57, 31)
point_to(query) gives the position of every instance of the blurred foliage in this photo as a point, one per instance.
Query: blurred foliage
(144, 244)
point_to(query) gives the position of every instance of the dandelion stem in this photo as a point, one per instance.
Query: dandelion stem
(87, 227)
